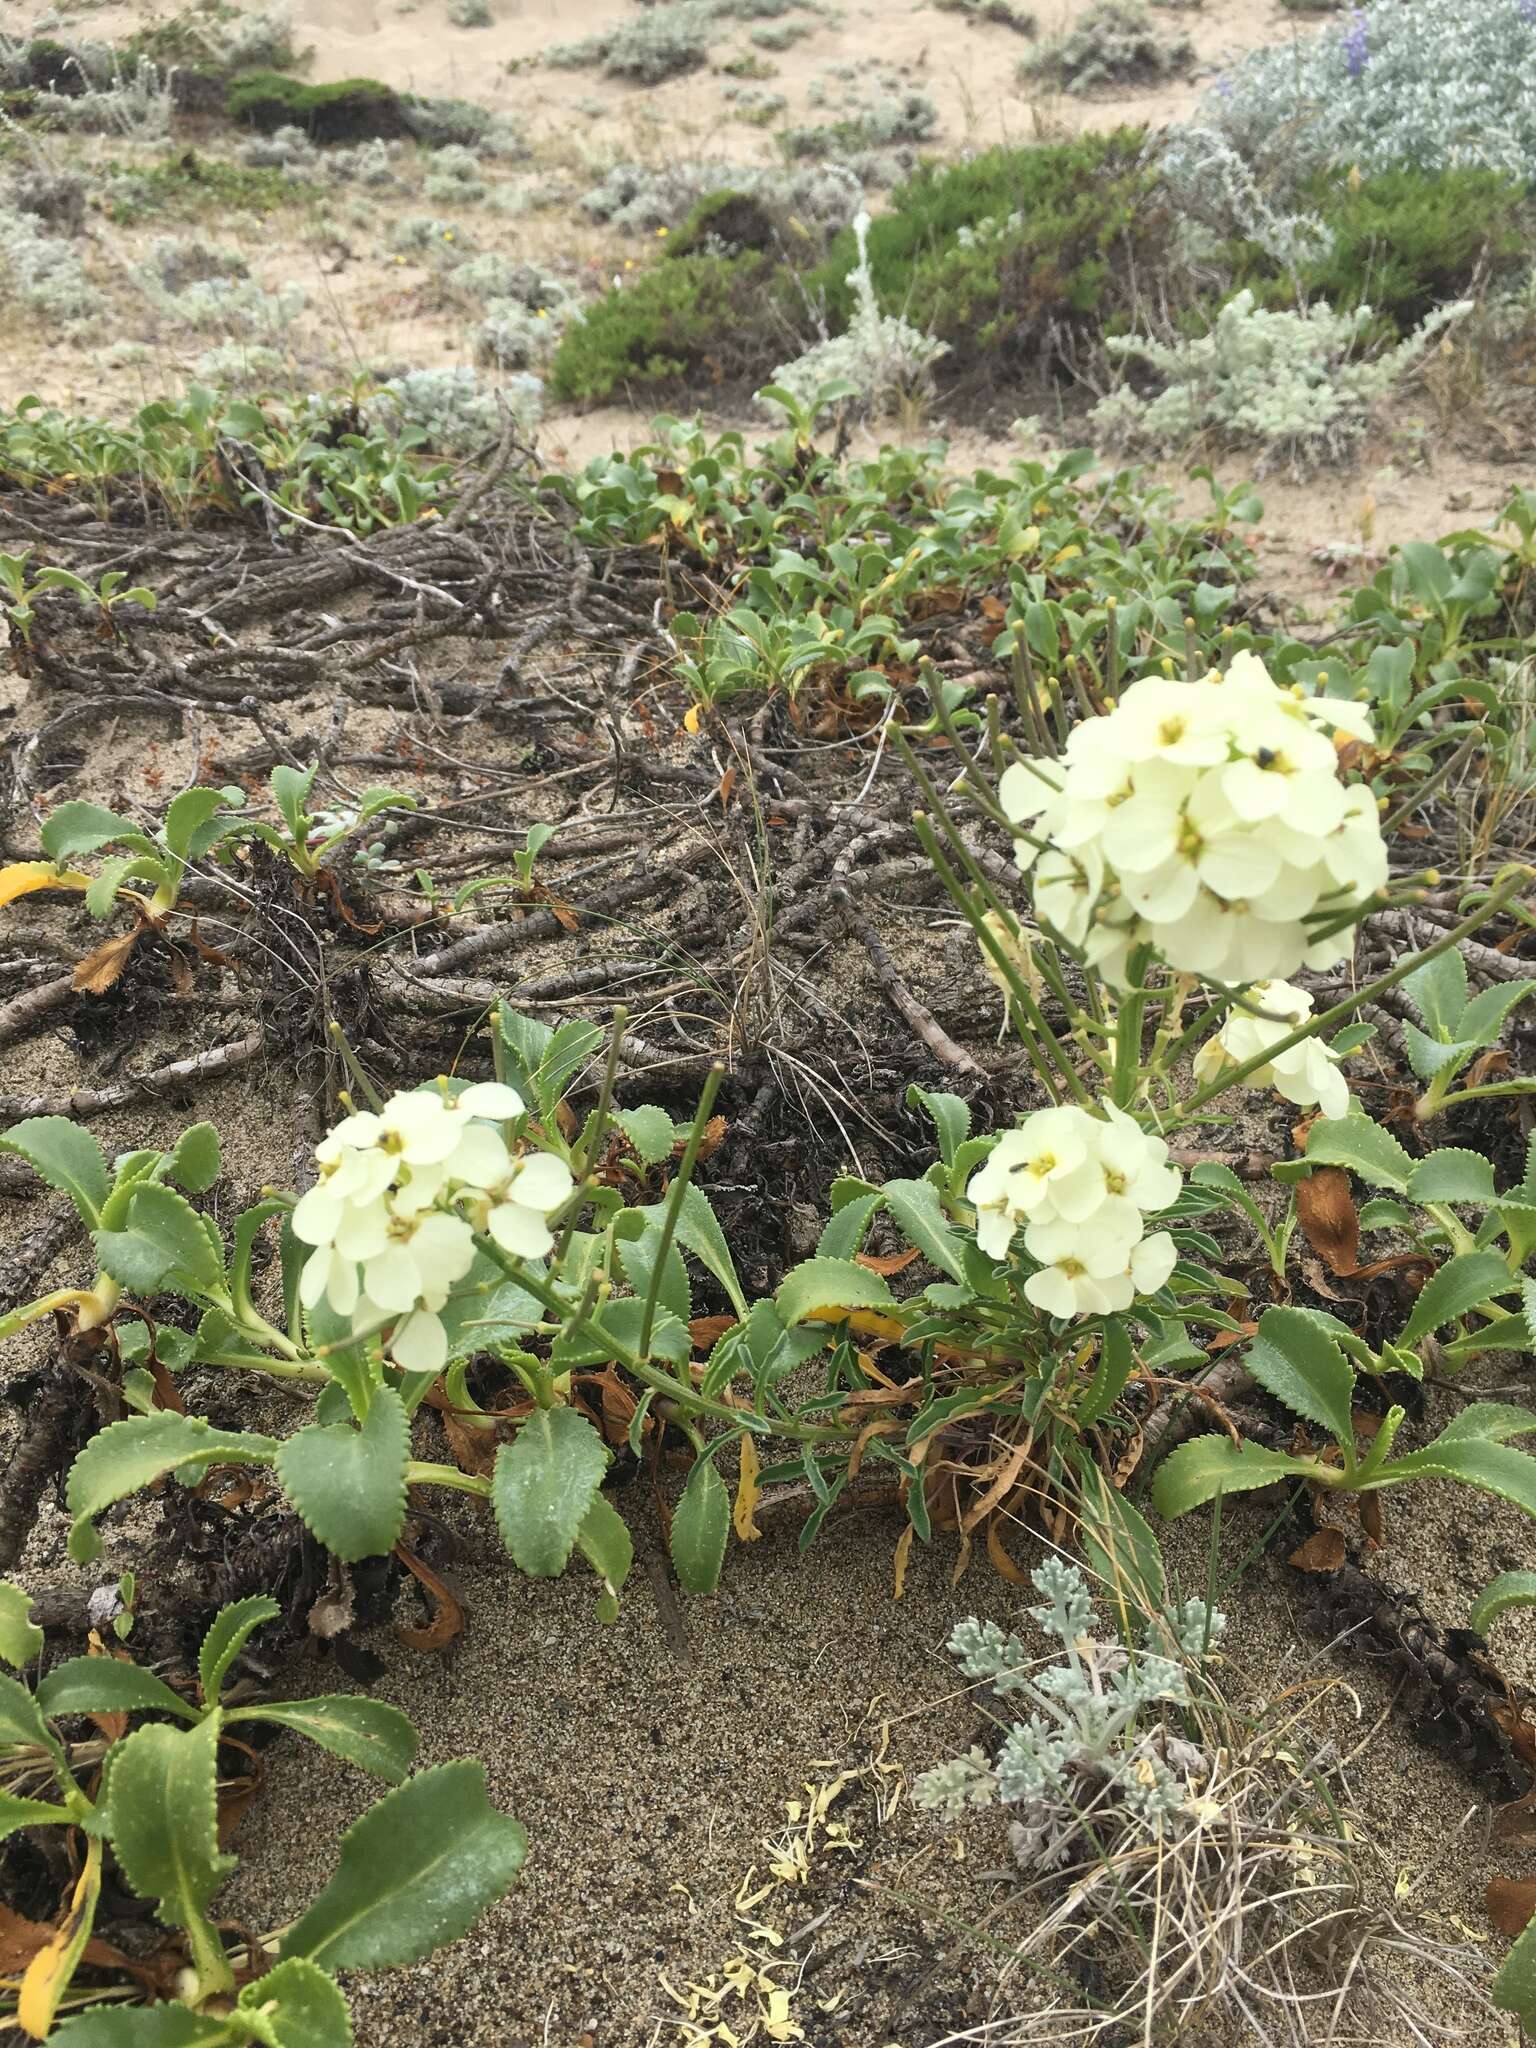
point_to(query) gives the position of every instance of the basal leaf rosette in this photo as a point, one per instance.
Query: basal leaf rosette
(401, 1196)
(1081, 1186)
(1205, 819)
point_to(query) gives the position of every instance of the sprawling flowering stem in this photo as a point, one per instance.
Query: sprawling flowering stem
(1082, 1186)
(1204, 819)
(400, 1198)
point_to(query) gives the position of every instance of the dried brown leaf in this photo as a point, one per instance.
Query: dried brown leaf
(1326, 1211)
(447, 1623)
(96, 973)
(1511, 1903)
(1323, 1551)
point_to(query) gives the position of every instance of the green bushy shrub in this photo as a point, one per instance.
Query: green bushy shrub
(351, 110)
(1407, 241)
(715, 318)
(989, 255)
(732, 222)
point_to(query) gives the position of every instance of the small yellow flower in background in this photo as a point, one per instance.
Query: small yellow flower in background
(662, 233)
(541, 314)
(447, 234)
(629, 262)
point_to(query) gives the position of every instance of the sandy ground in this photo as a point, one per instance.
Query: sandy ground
(965, 67)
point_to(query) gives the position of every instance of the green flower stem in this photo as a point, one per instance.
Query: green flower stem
(1026, 698)
(1514, 881)
(619, 1025)
(1431, 783)
(1039, 1033)
(274, 1368)
(665, 1384)
(675, 1196)
(371, 1095)
(1128, 1024)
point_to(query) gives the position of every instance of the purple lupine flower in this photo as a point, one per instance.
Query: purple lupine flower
(1357, 52)
(1528, 11)
(1224, 84)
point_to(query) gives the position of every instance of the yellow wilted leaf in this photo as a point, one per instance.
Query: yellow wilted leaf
(744, 1513)
(23, 876)
(903, 1557)
(48, 1974)
(692, 718)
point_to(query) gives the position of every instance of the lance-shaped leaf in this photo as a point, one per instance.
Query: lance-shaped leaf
(77, 827)
(146, 2026)
(1296, 1360)
(1364, 1147)
(543, 1486)
(915, 1206)
(369, 1733)
(129, 1455)
(66, 1157)
(27, 1813)
(348, 1484)
(20, 1636)
(1509, 1589)
(164, 1245)
(1514, 1988)
(195, 1160)
(163, 1818)
(1197, 1471)
(701, 1523)
(1492, 1467)
(415, 1872)
(819, 1285)
(604, 1542)
(227, 1634)
(106, 1685)
(1462, 1283)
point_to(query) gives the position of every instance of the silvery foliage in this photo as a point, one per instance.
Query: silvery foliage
(1285, 382)
(452, 409)
(237, 307)
(440, 123)
(285, 149)
(176, 261)
(1083, 1744)
(255, 42)
(522, 325)
(365, 163)
(648, 47)
(490, 275)
(423, 234)
(240, 366)
(1217, 189)
(42, 273)
(135, 103)
(453, 174)
(1430, 83)
(1112, 42)
(881, 354)
(640, 198)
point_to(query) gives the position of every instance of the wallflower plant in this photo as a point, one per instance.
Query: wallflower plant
(415, 1871)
